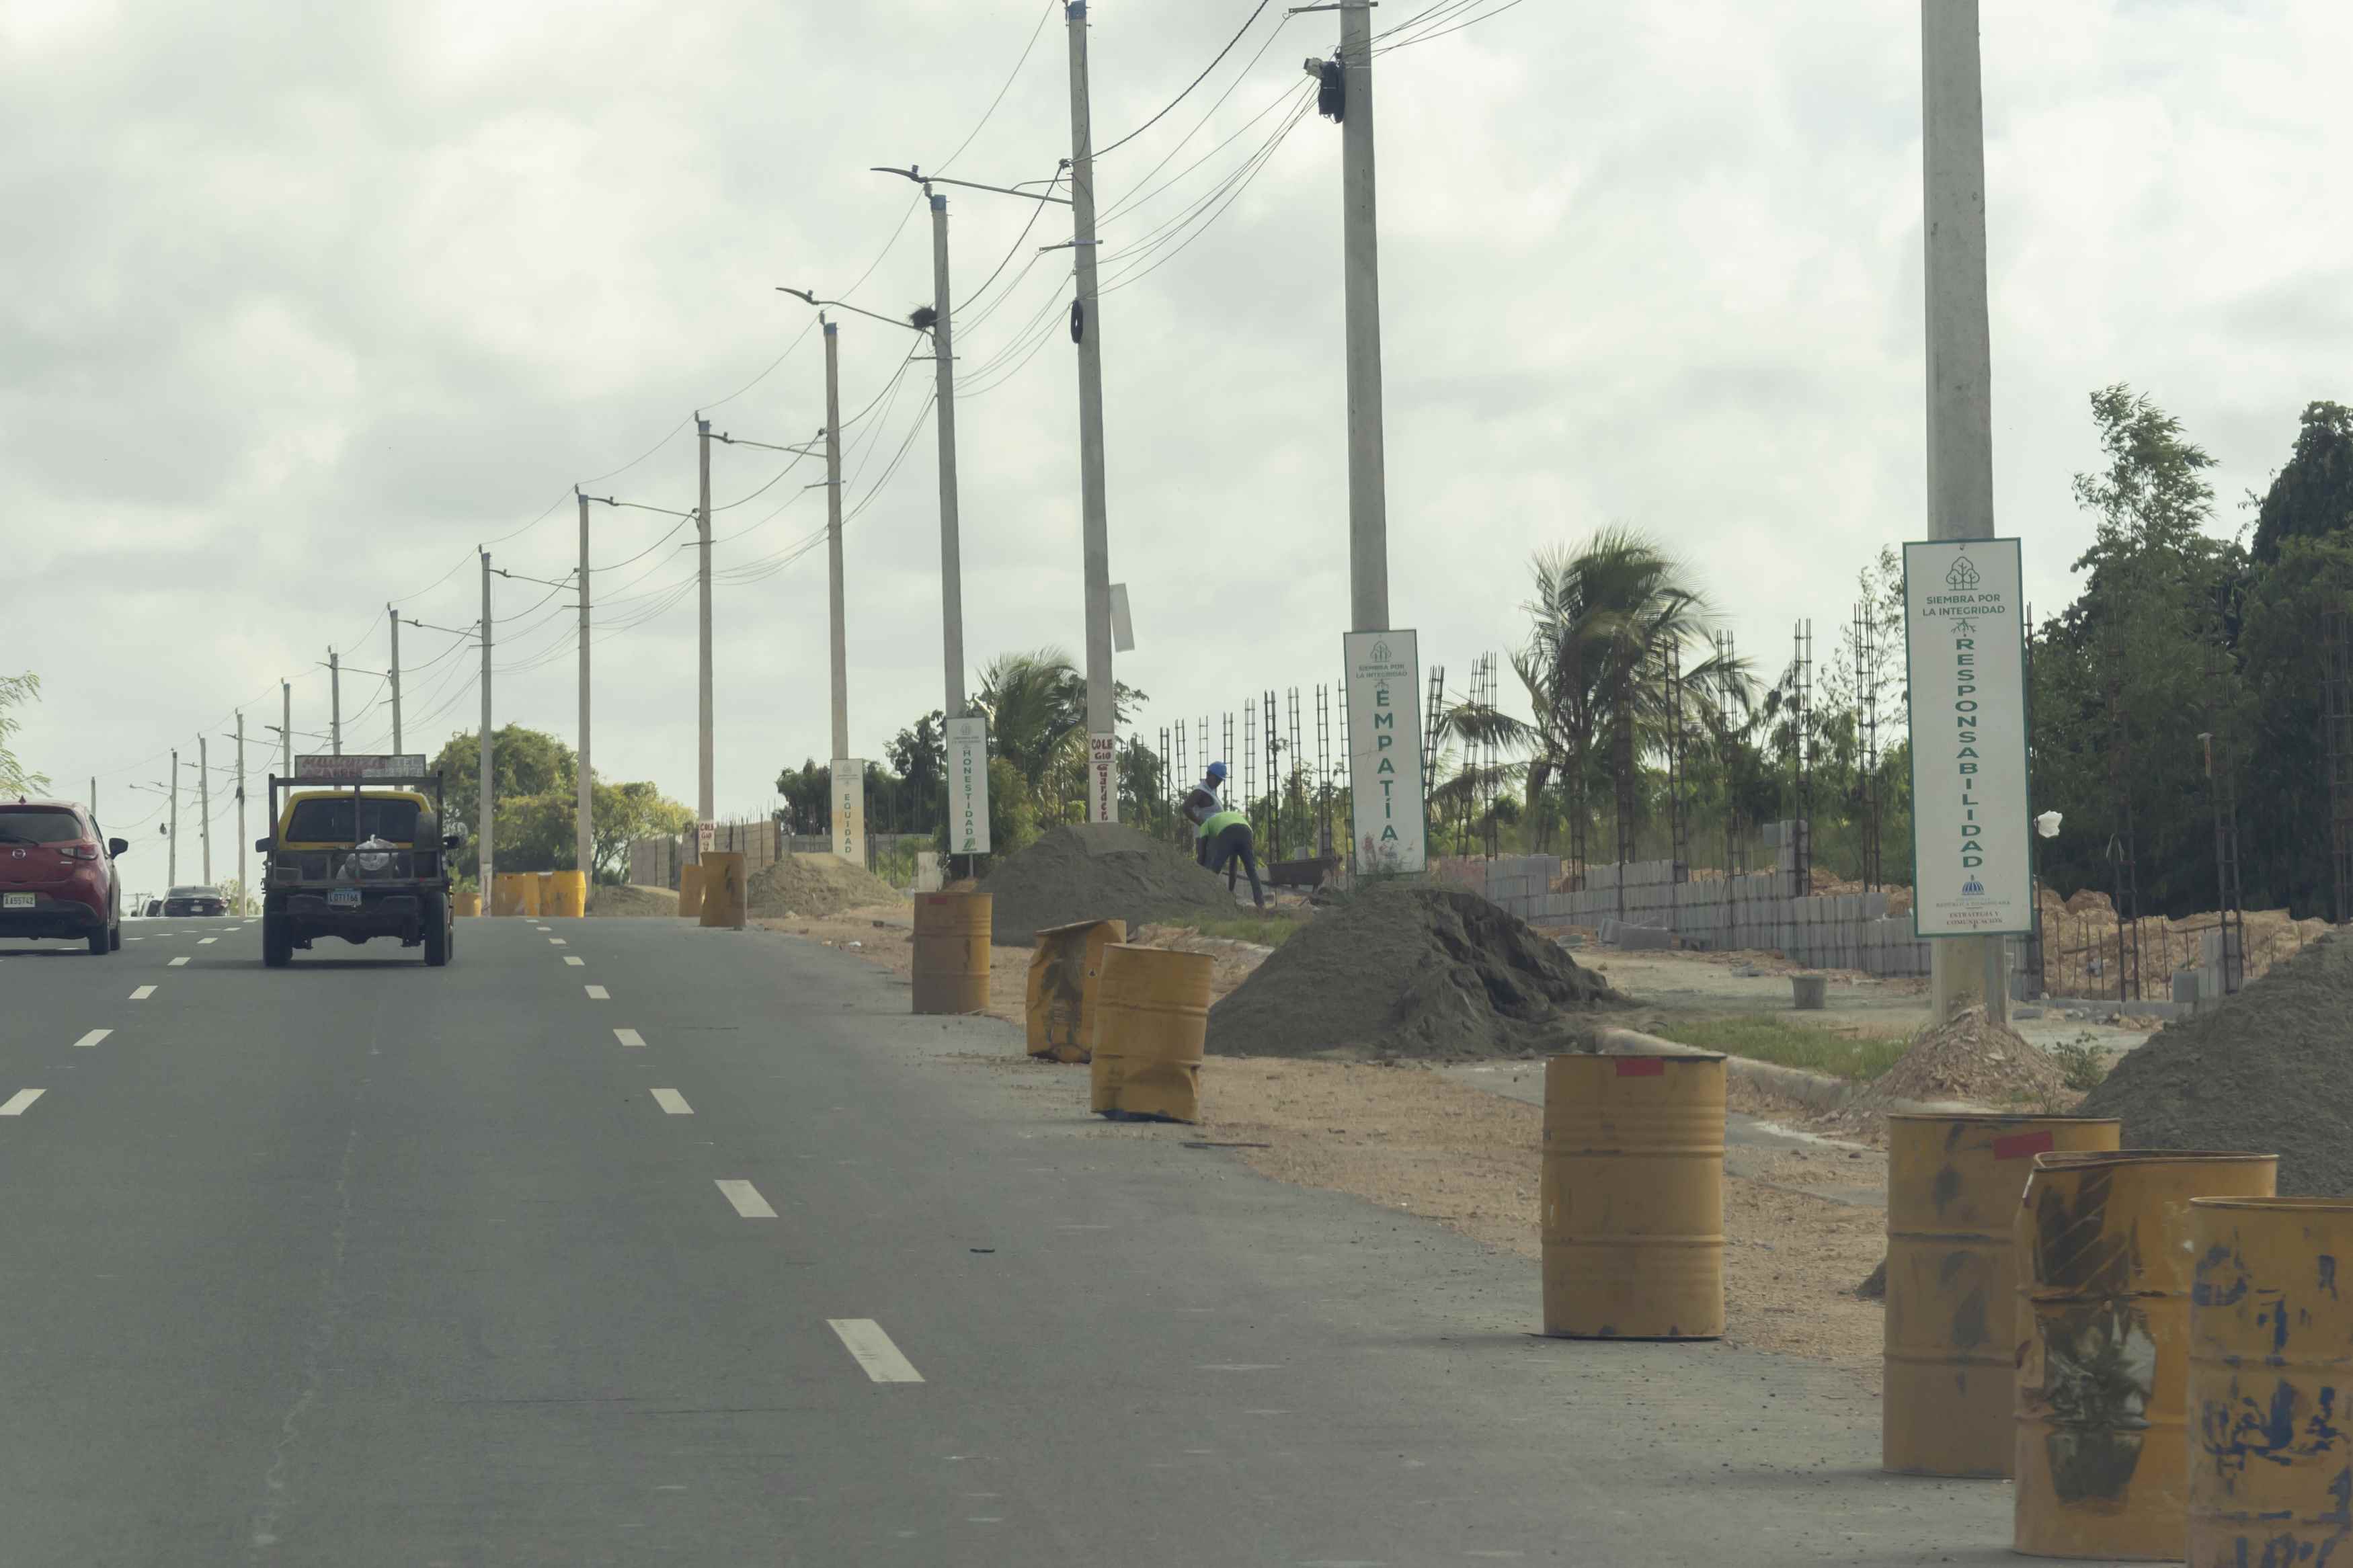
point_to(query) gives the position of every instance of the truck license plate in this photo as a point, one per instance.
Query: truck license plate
(16, 901)
(342, 898)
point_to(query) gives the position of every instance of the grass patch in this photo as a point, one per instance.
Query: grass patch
(1768, 1040)
(1267, 931)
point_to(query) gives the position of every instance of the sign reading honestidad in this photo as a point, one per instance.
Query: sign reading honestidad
(1965, 652)
(1384, 689)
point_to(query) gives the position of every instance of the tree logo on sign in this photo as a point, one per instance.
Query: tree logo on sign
(1963, 575)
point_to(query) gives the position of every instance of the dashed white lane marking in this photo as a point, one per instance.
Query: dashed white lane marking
(1238, 1366)
(575, 963)
(206, 940)
(542, 928)
(743, 1194)
(177, 962)
(556, 942)
(672, 1102)
(142, 994)
(93, 1037)
(135, 939)
(19, 1101)
(629, 1036)
(598, 994)
(872, 1348)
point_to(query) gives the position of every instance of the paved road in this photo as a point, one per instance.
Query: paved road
(360, 1263)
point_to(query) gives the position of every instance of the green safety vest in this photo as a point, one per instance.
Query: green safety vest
(1220, 823)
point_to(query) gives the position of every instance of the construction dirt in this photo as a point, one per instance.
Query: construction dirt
(1410, 970)
(629, 899)
(2265, 1072)
(1097, 871)
(815, 886)
(1966, 1059)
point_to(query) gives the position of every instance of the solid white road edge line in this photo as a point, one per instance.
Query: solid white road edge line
(598, 994)
(672, 1102)
(19, 1101)
(743, 1194)
(91, 1038)
(142, 994)
(629, 1036)
(872, 1348)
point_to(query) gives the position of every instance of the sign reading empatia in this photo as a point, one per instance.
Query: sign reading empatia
(1384, 676)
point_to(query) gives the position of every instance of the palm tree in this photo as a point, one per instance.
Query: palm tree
(1605, 667)
(1036, 707)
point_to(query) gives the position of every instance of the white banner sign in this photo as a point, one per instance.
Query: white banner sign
(706, 836)
(850, 809)
(350, 767)
(1102, 778)
(967, 786)
(1384, 676)
(1965, 651)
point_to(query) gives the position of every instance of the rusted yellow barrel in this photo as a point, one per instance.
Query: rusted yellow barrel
(1062, 987)
(1632, 1197)
(689, 890)
(546, 894)
(1151, 1017)
(527, 893)
(2271, 1364)
(508, 894)
(564, 895)
(1953, 1188)
(2104, 1267)
(724, 897)
(468, 903)
(951, 951)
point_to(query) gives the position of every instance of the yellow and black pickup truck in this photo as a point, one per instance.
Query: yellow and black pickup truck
(356, 850)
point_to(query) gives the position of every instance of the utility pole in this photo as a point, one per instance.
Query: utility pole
(482, 854)
(838, 632)
(286, 728)
(583, 840)
(205, 805)
(391, 614)
(172, 855)
(951, 552)
(704, 793)
(244, 888)
(1964, 971)
(1102, 714)
(334, 704)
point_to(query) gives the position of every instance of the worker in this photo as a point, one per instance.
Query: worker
(1227, 845)
(1199, 805)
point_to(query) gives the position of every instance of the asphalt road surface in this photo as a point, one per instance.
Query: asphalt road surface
(624, 1242)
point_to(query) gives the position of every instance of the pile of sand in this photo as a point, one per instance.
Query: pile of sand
(1965, 1059)
(816, 885)
(1409, 970)
(631, 899)
(1096, 871)
(2266, 1072)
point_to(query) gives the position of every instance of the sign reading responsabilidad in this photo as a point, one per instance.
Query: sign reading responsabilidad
(349, 767)
(1384, 675)
(967, 786)
(1965, 653)
(848, 776)
(1102, 778)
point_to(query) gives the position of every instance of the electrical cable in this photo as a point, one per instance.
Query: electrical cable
(1189, 86)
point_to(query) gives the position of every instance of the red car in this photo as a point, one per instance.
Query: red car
(56, 875)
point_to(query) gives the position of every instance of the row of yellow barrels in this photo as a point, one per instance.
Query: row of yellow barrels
(561, 895)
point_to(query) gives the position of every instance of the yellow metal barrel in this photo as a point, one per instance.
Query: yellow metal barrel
(507, 893)
(468, 903)
(545, 893)
(951, 951)
(1632, 1197)
(2104, 1267)
(1063, 971)
(526, 885)
(1953, 1188)
(2270, 1362)
(689, 890)
(1152, 1018)
(564, 895)
(724, 897)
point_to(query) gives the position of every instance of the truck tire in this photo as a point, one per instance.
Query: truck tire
(276, 942)
(435, 920)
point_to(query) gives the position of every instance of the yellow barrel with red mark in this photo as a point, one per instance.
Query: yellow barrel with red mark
(951, 951)
(1632, 1197)
(2270, 1367)
(2104, 1266)
(1953, 1187)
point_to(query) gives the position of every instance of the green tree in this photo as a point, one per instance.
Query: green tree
(2283, 768)
(16, 690)
(2312, 497)
(808, 796)
(526, 762)
(537, 826)
(620, 812)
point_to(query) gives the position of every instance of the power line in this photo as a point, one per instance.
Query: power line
(1189, 86)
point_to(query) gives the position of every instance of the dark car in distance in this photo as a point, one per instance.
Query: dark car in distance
(56, 875)
(194, 902)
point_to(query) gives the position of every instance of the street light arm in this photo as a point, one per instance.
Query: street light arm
(927, 180)
(840, 305)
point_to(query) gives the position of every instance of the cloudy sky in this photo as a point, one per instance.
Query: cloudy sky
(300, 304)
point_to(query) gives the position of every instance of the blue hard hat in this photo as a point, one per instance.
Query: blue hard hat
(1217, 769)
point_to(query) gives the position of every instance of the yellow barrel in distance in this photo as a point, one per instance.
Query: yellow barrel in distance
(546, 893)
(689, 890)
(2270, 1362)
(1952, 1189)
(951, 951)
(724, 895)
(506, 893)
(2105, 1268)
(1152, 1020)
(1632, 1197)
(468, 903)
(565, 895)
(526, 884)
(1063, 974)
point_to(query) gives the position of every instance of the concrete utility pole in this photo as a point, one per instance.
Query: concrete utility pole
(286, 728)
(334, 704)
(482, 859)
(839, 635)
(705, 794)
(1964, 971)
(205, 804)
(583, 838)
(244, 888)
(951, 551)
(172, 854)
(391, 614)
(1086, 325)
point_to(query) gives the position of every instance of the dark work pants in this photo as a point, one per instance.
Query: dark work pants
(1230, 850)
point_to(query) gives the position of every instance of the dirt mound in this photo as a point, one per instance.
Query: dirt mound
(630, 899)
(1409, 970)
(2266, 1072)
(1965, 1059)
(816, 885)
(2088, 901)
(1096, 871)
